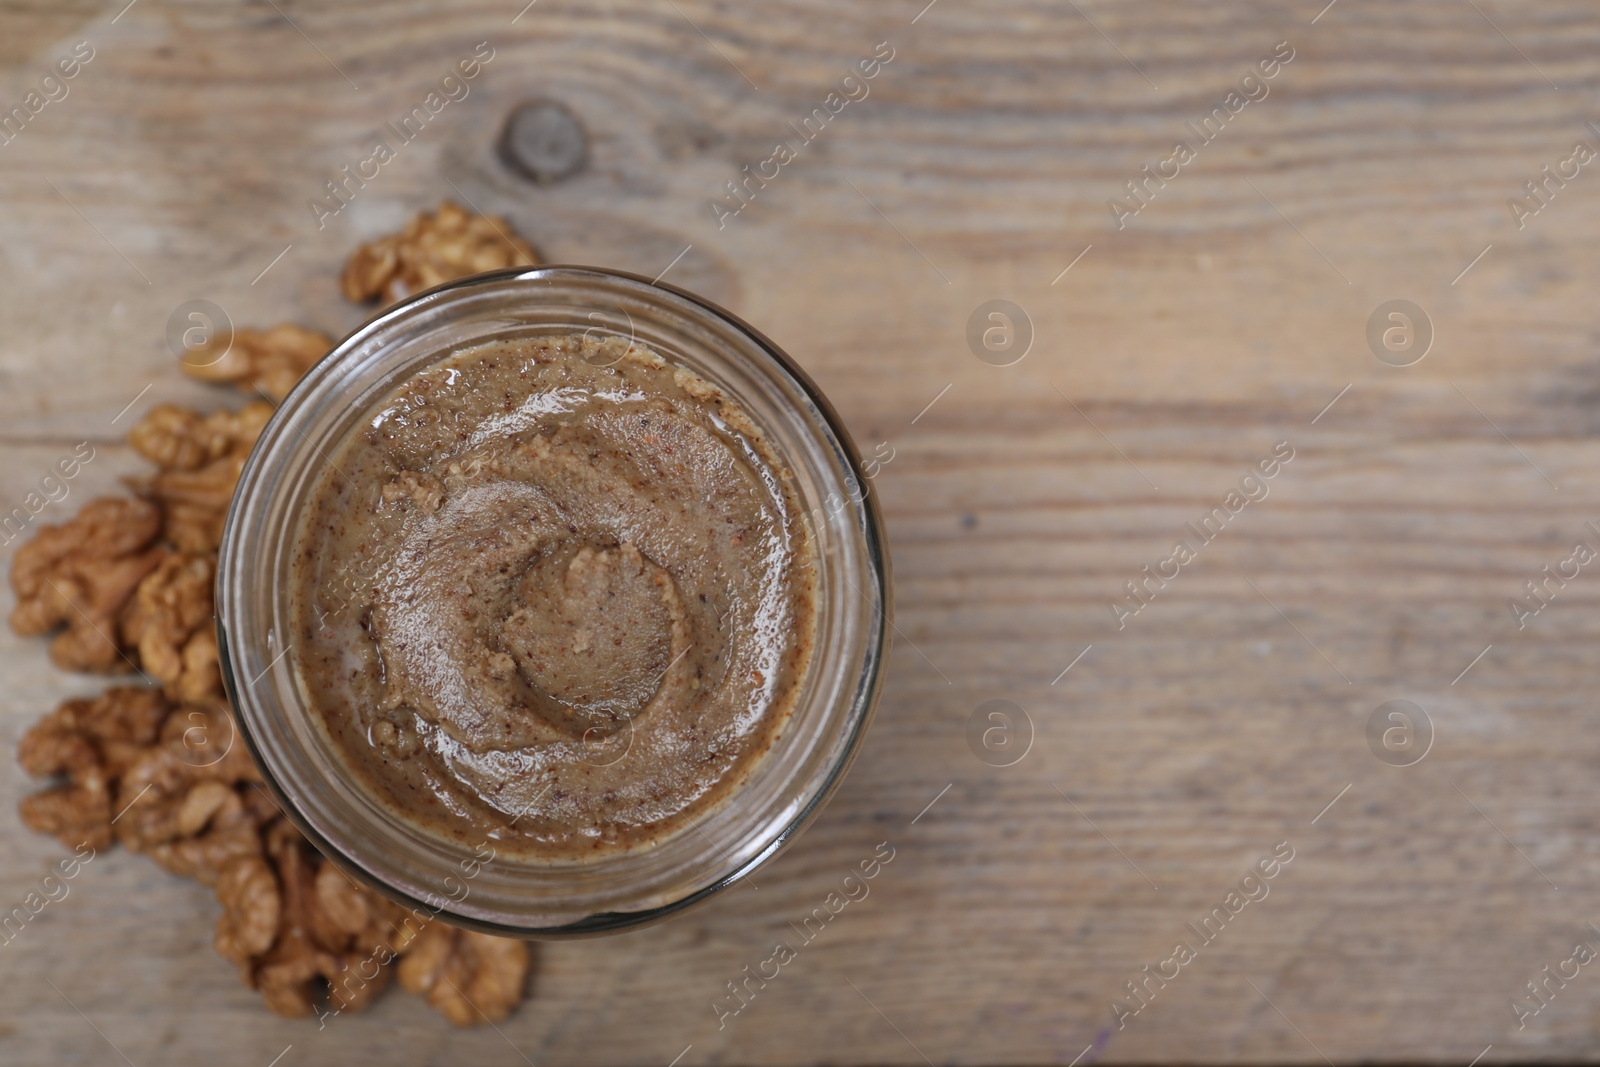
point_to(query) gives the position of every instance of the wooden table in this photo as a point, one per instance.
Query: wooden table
(1226, 315)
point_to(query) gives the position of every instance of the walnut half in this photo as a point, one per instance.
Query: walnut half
(201, 458)
(470, 977)
(170, 612)
(90, 743)
(80, 574)
(433, 249)
(267, 360)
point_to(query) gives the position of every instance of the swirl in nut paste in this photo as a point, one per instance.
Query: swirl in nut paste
(555, 592)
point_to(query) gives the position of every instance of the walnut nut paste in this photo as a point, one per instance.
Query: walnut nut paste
(553, 593)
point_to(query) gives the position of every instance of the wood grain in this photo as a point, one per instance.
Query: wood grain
(1225, 316)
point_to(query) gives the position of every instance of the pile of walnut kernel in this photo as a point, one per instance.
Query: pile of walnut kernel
(126, 586)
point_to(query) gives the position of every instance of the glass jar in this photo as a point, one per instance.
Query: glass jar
(479, 888)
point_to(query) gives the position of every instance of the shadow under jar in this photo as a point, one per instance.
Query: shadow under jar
(553, 601)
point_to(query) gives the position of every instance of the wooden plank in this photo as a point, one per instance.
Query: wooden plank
(1176, 352)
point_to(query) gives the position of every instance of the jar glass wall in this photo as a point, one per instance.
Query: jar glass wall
(480, 887)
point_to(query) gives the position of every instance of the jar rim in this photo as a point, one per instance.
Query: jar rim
(240, 561)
